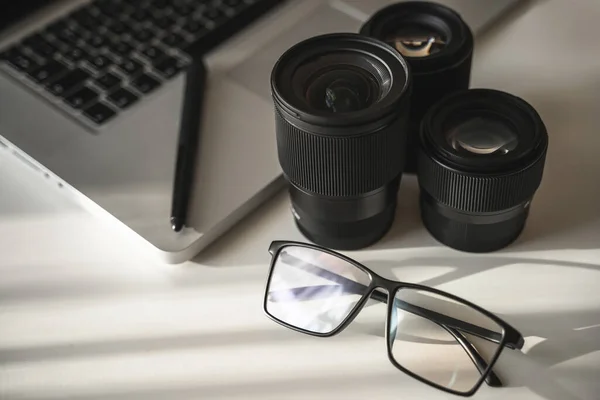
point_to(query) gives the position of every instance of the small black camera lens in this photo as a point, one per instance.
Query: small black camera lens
(437, 44)
(341, 114)
(481, 160)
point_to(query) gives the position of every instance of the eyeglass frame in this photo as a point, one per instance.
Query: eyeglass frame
(511, 337)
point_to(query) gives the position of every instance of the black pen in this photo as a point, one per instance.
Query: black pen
(189, 133)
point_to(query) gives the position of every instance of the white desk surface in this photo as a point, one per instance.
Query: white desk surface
(83, 317)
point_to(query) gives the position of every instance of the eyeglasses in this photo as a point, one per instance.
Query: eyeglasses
(433, 336)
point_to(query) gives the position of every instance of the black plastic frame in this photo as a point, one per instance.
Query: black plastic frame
(511, 338)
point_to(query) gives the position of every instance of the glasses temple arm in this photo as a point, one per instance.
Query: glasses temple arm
(442, 319)
(491, 379)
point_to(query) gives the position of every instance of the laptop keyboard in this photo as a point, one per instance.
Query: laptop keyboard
(107, 55)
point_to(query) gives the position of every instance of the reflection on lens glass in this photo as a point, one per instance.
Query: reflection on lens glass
(341, 96)
(416, 41)
(482, 136)
(341, 90)
(428, 343)
(314, 290)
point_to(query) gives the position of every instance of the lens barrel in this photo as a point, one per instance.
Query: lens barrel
(481, 160)
(437, 44)
(341, 112)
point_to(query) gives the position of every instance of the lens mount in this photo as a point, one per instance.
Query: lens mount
(373, 73)
(465, 193)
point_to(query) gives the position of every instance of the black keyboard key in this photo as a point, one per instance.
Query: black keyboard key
(67, 83)
(50, 71)
(81, 97)
(61, 47)
(120, 48)
(83, 33)
(145, 83)
(215, 15)
(97, 41)
(75, 54)
(153, 53)
(100, 62)
(143, 35)
(113, 9)
(174, 40)
(130, 67)
(123, 98)
(159, 4)
(117, 27)
(183, 9)
(108, 81)
(85, 19)
(169, 67)
(20, 61)
(132, 29)
(164, 22)
(99, 16)
(234, 3)
(195, 27)
(39, 45)
(99, 113)
(140, 15)
(167, 11)
(66, 35)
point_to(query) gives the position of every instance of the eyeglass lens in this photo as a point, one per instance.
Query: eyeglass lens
(314, 290)
(439, 350)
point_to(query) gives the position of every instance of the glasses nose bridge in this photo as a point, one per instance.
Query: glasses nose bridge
(380, 282)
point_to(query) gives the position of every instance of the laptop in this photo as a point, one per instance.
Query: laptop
(91, 96)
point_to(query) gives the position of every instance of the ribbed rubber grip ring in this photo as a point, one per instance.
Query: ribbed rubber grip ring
(479, 194)
(342, 165)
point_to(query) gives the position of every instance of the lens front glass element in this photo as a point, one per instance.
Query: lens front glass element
(340, 82)
(343, 89)
(438, 339)
(314, 290)
(416, 41)
(482, 135)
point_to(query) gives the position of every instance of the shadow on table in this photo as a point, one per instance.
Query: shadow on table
(565, 336)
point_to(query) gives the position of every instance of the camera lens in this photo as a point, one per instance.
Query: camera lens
(481, 160)
(341, 114)
(437, 44)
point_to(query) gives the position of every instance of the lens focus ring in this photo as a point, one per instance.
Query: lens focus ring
(477, 194)
(339, 166)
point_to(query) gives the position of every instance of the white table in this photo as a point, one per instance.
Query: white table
(83, 317)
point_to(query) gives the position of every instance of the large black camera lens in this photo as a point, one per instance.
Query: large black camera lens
(481, 160)
(437, 44)
(341, 113)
